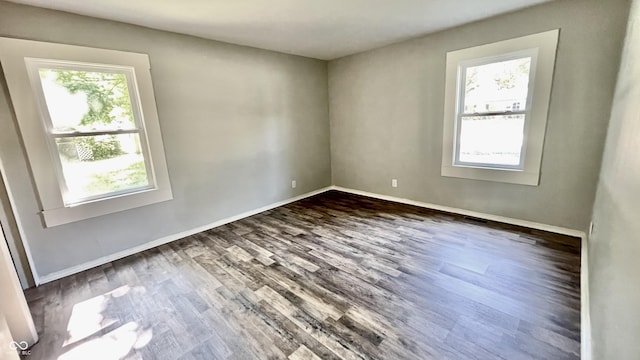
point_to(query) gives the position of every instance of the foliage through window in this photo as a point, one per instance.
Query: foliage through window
(90, 128)
(92, 124)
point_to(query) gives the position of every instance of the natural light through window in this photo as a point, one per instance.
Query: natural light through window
(491, 121)
(495, 110)
(90, 127)
(94, 131)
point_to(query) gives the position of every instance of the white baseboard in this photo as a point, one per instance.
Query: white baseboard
(585, 315)
(498, 218)
(167, 239)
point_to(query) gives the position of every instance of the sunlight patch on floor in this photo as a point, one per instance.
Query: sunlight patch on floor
(112, 346)
(87, 317)
(92, 316)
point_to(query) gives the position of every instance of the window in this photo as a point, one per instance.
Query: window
(89, 123)
(496, 105)
(93, 130)
(494, 101)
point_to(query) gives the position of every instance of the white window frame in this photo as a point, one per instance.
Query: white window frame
(464, 65)
(33, 67)
(542, 50)
(20, 60)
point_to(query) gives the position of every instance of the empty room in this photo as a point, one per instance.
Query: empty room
(410, 179)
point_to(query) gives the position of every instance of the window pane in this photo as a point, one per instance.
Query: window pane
(492, 140)
(86, 100)
(499, 86)
(99, 165)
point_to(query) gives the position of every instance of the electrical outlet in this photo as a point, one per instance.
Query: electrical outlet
(394, 182)
(293, 184)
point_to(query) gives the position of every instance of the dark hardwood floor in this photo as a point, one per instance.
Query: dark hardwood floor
(335, 276)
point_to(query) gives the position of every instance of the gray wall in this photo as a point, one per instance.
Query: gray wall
(386, 110)
(238, 125)
(12, 236)
(614, 247)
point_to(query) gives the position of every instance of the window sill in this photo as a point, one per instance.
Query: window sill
(511, 176)
(87, 210)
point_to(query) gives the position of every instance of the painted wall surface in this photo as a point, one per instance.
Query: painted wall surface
(6, 352)
(12, 235)
(13, 306)
(238, 125)
(614, 247)
(387, 106)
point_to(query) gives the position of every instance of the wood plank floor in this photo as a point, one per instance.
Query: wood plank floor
(335, 276)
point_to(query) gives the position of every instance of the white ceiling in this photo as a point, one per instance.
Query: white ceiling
(322, 29)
